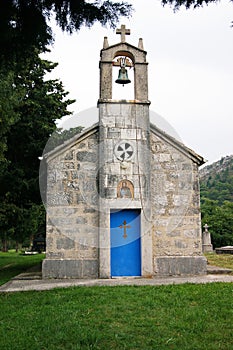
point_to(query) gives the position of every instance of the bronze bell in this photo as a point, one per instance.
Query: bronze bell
(123, 76)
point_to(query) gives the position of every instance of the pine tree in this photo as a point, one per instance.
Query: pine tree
(41, 103)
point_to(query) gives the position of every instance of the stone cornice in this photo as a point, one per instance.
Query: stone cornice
(110, 101)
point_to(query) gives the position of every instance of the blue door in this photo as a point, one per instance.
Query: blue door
(125, 243)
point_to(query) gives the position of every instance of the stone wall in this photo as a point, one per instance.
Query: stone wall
(138, 58)
(176, 231)
(72, 211)
(122, 123)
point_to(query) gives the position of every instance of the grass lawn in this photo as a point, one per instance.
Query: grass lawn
(180, 317)
(12, 264)
(221, 260)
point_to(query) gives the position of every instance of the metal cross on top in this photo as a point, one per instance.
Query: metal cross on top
(123, 32)
(124, 226)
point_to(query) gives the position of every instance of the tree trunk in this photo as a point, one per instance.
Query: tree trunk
(4, 245)
(18, 246)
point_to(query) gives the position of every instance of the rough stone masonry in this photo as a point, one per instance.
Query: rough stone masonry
(87, 176)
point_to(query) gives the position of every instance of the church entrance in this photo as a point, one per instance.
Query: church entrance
(125, 242)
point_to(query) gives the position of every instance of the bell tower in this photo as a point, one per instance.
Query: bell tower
(123, 196)
(124, 154)
(135, 57)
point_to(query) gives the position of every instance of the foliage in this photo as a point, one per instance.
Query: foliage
(29, 105)
(12, 264)
(219, 185)
(217, 202)
(24, 28)
(24, 24)
(188, 3)
(60, 135)
(220, 221)
(9, 99)
(41, 103)
(124, 317)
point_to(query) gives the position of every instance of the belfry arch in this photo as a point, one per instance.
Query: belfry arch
(123, 78)
(136, 55)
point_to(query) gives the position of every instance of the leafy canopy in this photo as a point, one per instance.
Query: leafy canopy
(40, 103)
(29, 105)
(187, 3)
(25, 23)
(217, 201)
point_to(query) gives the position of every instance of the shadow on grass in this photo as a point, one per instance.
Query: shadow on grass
(12, 264)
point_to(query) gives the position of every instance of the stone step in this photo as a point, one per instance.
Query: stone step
(33, 273)
(216, 270)
(28, 276)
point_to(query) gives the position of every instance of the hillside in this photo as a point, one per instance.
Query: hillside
(216, 184)
(216, 180)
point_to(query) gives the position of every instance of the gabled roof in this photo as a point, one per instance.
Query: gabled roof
(72, 141)
(188, 152)
(124, 45)
(196, 158)
(135, 53)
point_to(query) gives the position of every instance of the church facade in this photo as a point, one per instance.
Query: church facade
(123, 196)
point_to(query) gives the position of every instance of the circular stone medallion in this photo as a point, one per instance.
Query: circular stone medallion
(124, 151)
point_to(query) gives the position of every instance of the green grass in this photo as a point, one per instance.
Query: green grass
(221, 260)
(184, 317)
(12, 264)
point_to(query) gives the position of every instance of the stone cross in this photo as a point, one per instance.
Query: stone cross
(206, 240)
(123, 32)
(124, 226)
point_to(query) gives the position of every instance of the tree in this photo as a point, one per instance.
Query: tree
(41, 103)
(24, 23)
(217, 201)
(220, 220)
(187, 3)
(60, 135)
(9, 99)
(24, 28)
(29, 105)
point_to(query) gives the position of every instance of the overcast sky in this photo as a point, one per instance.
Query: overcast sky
(190, 55)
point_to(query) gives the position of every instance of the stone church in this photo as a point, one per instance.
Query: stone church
(123, 195)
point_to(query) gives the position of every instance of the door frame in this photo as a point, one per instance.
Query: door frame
(140, 243)
(104, 237)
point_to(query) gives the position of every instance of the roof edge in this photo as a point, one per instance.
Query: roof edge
(199, 160)
(68, 143)
(124, 43)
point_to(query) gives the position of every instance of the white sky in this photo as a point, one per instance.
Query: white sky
(190, 55)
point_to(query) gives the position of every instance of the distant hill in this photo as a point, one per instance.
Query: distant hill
(216, 184)
(216, 167)
(216, 180)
